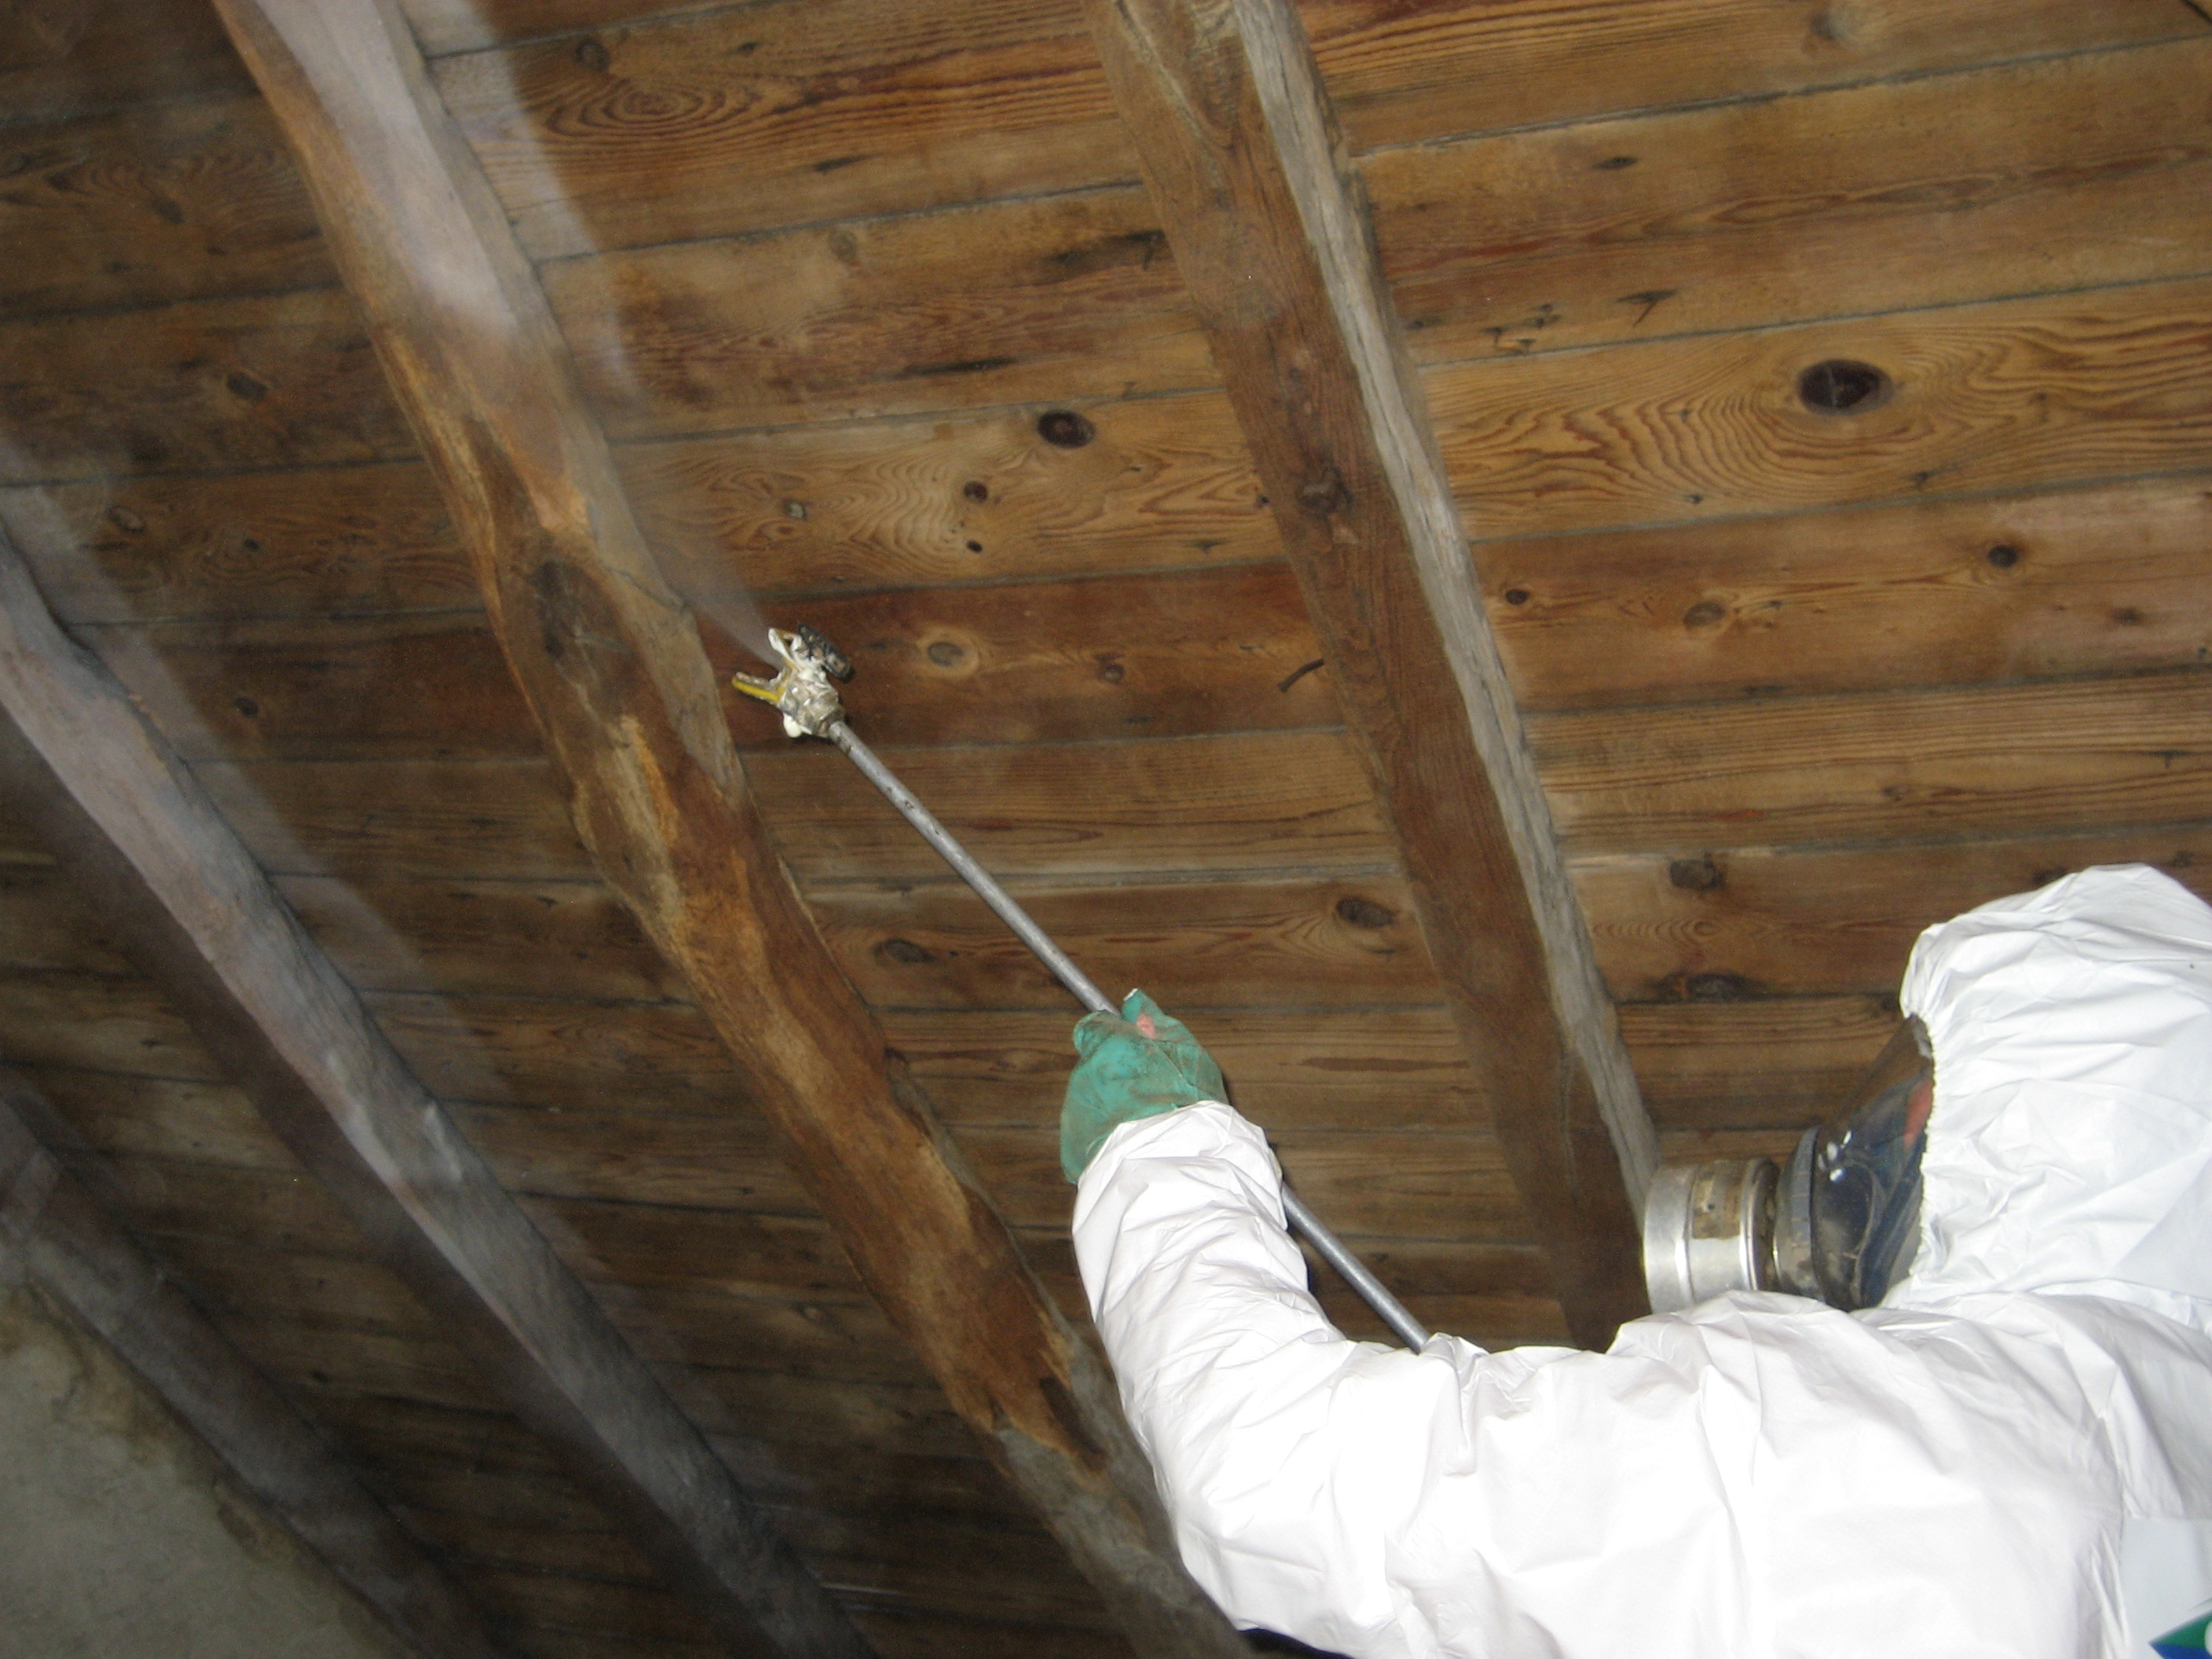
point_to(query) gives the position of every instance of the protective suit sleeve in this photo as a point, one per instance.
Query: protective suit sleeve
(1267, 1426)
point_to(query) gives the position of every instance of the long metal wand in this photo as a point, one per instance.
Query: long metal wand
(810, 707)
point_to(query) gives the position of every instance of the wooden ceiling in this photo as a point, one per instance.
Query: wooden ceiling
(1826, 392)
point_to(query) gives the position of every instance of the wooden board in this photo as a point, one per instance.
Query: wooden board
(297, 543)
(1748, 924)
(1157, 656)
(2099, 580)
(1267, 943)
(728, 120)
(1402, 74)
(2010, 395)
(278, 379)
(1321, 1068)
(98, 1023)
(587, 1056)
(690, 120)
(1261, 801)
(401, 819)
(2072, 755)
(568, 939)
(2054, 173)
(174, 201)
(1068, 298)
(1427, 1184)
(1775, 1062)
(1155, 482)
(60, 56)
(44, 927)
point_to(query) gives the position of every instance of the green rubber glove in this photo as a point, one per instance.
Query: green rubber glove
(1139, 1066)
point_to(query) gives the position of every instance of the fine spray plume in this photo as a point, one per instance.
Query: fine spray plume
(804, 690)
(719, 599)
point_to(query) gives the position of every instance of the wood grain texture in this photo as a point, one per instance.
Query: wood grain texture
(1248, 802)
(59, 57)
(2018, 394)
(2056, 173)
(1336, 943)
(269, 380)
(570, 939)
(1403, 74)
(1242, 154)
(1744, 924)
(736, 120)
(1152, 656)
(1158, 482)
(671, 121)
(1258, 801)
(1880, 766)
(1068, 298)
(322, 540)
(404, 819)
(94, 1023)
(174, 201)
(60, 1238)
(1770, 1063)
(2091, 581)
(1425, 1184)
(612, 668)
(1314, 1068)
(149, 852)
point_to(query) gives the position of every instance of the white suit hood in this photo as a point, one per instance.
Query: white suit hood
(2070, 1147)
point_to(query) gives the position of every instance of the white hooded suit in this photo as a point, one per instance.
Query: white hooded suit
(2010, 1458)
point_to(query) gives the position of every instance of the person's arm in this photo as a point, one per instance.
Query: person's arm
(1297, 1464)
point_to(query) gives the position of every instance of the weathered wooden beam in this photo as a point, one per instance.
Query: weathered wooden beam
(611, 664)
(1270, 230)
(61, 1238)
(143, 844)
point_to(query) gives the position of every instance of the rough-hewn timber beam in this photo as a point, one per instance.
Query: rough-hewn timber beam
(150, 851)
(611, 664)
(54, 1233)
(1270, 230)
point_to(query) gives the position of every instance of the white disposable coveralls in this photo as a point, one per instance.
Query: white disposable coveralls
(1957, 1473)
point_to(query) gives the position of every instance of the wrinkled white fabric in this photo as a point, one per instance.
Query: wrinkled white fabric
(1760, 1474)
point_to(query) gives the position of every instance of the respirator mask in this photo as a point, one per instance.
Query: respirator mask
(1839, 1221)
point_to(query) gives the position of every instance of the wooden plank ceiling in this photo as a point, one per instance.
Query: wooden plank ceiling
(875, 311)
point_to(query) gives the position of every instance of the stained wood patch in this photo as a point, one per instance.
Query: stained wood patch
(2083, 581)
(2075, 754)
(1730, 925)
(2024, 393)
(1071, 297)
(272, 380)
(2050, 174)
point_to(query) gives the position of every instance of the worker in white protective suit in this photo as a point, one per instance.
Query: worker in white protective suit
(2011, 1455)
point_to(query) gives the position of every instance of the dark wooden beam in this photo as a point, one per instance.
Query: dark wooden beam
(1271, 232)
(611, 664)
(63, 1240)
(141, 840)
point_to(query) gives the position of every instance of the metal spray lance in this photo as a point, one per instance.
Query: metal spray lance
(803, 693)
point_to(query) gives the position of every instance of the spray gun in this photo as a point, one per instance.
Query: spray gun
(805, 692)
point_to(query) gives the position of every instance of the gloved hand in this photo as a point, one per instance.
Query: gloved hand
(1139, 1066)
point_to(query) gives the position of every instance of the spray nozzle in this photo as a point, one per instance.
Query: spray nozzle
(801, 689)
